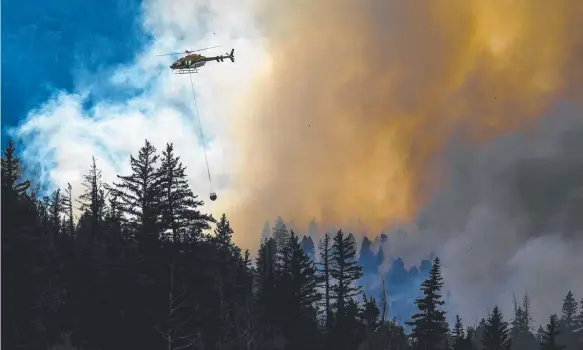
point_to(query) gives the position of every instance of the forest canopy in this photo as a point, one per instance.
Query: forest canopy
(143, 267)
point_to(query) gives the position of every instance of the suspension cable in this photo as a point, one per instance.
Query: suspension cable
(201, 134)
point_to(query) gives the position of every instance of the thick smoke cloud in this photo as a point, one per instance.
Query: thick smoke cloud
(509, 214)
(424, 115)
(350, 123)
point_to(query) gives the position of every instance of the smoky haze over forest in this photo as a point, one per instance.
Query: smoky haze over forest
(352, 119)
(445, 119)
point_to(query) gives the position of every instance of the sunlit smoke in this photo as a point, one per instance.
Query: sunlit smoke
(350, 122)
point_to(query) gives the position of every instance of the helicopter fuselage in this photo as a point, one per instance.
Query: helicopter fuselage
(191, 62)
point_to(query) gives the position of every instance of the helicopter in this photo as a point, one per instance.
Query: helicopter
(187, 65)
(191, 62)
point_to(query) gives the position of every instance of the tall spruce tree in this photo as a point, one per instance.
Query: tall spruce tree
(56, 211)
(522, 337)
(568, 323)
(549, 336)
(517, 321)
(265, 283)
(384, 300)
(428, 324)
(113, 218)
(140, 193)
(280, 233)
(297, 293)
(370, 314)
(458, 334)
(569, 310)
(68, 204)
(526, 312)
(228, 292)
(11, 173)
(224, 233)
(309, 248)
(23, 267)
(496, 334)
(345, 271)
(324, 268)
(178, 204)
(300, 272)
(92, 200)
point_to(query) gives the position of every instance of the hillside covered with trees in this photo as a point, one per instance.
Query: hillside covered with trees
(144, 268)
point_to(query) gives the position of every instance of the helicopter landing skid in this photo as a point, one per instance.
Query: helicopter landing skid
(186, 71)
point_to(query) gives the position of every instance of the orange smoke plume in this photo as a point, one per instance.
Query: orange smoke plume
(361, 96)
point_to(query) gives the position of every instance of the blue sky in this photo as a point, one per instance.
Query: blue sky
(48, 46)
(82, 79)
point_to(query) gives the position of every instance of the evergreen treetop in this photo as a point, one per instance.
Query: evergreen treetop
(429, 327)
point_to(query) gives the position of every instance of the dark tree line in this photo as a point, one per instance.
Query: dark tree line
(143, 268)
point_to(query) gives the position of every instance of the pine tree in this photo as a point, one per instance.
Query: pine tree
(308, 247)
(68, 206)
(429, 325)
(24, 263)
(175, 329)
(345, 271)
(520, 333)
(11, 173)
(266, 276)
(93, 199)
(366, 258)
(280, 233)
(526, 314)
(458, 334)
(384, 300)
(56, 209)
(296, 291)
(549, 336)
(139, 194)
(229, 279)
(569, 323)
(397, 337)
(224, 233)
(496, 334)
(540, 333)
(579, 324)
(178, 203)
(517, 320)
(569, 310)
(370, 313)
(324, 267)
(42, 209)
(113, 218)
(300, 271)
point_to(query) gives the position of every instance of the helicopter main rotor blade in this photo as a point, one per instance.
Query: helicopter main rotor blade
(188, 51)
(206, 48)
